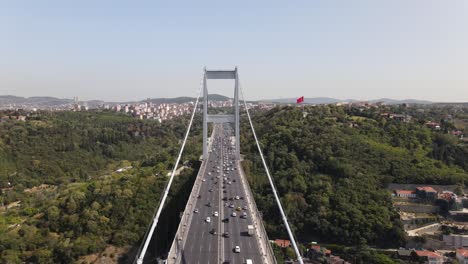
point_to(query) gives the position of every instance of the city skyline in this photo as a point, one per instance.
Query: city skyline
(116, 51)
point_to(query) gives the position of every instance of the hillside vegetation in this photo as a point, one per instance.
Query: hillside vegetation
(331, 169)
(62, 169)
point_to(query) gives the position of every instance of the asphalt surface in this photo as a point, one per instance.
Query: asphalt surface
(202, 246)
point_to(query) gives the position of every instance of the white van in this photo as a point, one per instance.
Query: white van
(248, 261)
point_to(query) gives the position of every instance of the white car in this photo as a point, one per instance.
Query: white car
(237, 249)
(215, 213)
(208, 219)
(233, 214)
(195, 211)
(231, 206)
(237, 197)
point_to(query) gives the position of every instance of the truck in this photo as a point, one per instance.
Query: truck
(250, 230)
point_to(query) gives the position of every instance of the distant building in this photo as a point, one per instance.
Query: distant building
(459, 215)
(405, 193)
(433, 125)
(399, 117)
(426, 256)
(456, 241)
(404, 254)
(282, 243)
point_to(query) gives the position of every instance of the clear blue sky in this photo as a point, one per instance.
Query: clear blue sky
(125, 50)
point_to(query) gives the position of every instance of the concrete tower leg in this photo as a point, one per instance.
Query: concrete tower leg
(236, 113)
(205, 117)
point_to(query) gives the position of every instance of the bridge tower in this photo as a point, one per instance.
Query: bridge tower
(234, 118)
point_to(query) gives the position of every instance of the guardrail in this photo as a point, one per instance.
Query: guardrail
(182, 231)
(181, 234)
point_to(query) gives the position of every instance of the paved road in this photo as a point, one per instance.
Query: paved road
(203, 247)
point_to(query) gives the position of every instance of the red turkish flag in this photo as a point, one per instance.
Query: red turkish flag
(300, 100)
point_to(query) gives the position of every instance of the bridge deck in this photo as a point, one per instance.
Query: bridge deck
(196, 244)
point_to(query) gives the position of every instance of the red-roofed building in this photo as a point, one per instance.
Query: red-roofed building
(462, 255)
(433, 125)
(428, 257)
(405, 193)
(282, 243)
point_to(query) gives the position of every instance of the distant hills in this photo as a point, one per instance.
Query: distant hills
(50, 102)
(47, 101)
(328, 100)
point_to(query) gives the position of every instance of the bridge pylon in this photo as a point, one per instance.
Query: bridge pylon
(217, 118)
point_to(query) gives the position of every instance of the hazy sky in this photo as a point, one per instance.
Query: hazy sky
(125, 50)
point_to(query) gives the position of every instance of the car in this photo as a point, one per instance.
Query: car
(237, 249)
(234, 180)
(245, 207)
(237, 197)
(231, 206)
(224, 191)
(233, 214)
(208, 204)
(213, 231)
(238, 208)
(229, 182)
(199, 196)
(208, 219)
(215, 213)
(226, 234)
(224, 199)
(195, 211)
(210, 190)
(203, 180)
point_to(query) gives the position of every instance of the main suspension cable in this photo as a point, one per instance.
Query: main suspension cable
(270, 179)
(149, 234)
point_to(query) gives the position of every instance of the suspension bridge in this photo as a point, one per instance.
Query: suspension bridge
(221, 222)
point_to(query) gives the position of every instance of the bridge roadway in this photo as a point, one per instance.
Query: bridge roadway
(201, 246)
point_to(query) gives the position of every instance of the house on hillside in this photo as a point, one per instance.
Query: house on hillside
(405, 193)
(433, 125)
(427, 257)
(283, 243)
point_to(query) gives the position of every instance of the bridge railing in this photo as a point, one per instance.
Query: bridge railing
(264, 243)
(178, 244)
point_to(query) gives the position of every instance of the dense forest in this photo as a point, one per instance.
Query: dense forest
(63, 196)
(61, 169)
(331, 169)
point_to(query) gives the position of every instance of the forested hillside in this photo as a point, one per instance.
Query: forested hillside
(332, 166)
(63, 197)
(85, 204)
